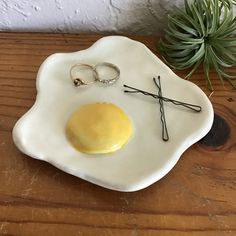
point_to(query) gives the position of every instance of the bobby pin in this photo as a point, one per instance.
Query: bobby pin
(193, 107)
(165, 135)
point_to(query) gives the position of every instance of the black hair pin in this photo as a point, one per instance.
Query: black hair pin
(165, 135)
(193, 107)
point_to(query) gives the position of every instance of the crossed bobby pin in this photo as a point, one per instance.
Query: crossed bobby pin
(165, 135)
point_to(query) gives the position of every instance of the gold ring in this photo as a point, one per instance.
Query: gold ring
(79, 81)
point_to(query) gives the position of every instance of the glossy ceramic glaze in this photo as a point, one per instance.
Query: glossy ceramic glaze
(40, 133)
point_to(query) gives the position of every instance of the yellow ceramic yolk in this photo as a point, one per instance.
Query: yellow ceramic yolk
(99, 128)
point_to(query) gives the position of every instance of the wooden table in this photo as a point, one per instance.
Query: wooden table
(198, 197)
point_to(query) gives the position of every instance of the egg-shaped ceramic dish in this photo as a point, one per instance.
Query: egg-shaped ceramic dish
(146, 158)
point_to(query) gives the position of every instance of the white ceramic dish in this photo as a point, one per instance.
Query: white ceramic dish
(40, 133)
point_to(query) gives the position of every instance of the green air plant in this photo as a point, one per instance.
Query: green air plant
(202, 33)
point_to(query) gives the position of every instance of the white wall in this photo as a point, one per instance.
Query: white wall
(120, 16)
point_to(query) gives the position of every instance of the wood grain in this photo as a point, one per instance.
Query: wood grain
(198, 197)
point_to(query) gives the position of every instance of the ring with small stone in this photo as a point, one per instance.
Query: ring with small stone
(81, 81)
(106, 73)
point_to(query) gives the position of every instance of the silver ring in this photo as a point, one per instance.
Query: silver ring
(105, 81)
(79, 81)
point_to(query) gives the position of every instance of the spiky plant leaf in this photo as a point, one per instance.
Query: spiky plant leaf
(202, 33)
